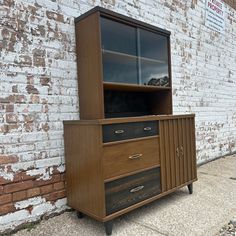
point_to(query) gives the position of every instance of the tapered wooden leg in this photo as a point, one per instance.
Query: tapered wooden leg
(80, 215)
(108, 227)
(190, 188)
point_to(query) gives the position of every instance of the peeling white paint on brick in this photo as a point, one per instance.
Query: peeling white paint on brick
(40, 207)
(39, 78)
(29, 202)
(6, 175)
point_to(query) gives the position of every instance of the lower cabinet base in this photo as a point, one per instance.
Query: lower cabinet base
(109, 223)
(190, 188)
(108, 227)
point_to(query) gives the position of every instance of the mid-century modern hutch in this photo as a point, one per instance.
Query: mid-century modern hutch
(127, 149)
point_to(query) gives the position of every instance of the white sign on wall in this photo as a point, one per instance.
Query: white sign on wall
(215, 11)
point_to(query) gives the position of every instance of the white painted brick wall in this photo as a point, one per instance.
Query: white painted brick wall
(38, 44)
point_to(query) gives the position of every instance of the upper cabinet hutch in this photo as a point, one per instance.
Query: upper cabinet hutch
(128, 149)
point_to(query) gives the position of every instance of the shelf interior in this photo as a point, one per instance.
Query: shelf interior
(132, 87)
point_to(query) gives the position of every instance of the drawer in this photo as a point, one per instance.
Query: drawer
(129, 190)
(123, 158)
(121, 131)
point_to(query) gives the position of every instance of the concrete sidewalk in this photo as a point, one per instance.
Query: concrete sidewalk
(212, 204)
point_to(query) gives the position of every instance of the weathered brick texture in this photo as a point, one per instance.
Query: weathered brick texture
(38, 90)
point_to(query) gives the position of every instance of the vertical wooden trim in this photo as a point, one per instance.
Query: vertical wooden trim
(184, 149)
(162, 155)
(89, 63)
(188, 148)
(172, 155)
(194, 148)
(170, 74)
(176, 144)
(167, 156)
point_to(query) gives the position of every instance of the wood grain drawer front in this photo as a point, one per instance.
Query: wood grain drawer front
(121, 131)
(123, 158)
(129, 190)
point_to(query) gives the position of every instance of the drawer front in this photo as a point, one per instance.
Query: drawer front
(121, 131)
(126, 157)
(129, 190)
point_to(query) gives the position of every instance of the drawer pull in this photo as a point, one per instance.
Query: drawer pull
(135, 156)
(133, 190)
(119, 131)
(147, 128)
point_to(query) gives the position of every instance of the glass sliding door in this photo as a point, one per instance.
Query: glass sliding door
(153, 59)
(119, 47)
(133, 55)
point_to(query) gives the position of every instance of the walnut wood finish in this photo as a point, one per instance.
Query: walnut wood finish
(131, 156)
(127, 191)
(89, 65)
(84, 172)
(178, 159)
(90, 68)
(101, 178)
(130, 130)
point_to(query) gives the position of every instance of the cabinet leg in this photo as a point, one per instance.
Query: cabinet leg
(190, 188)
(80, 215)
(108, 227)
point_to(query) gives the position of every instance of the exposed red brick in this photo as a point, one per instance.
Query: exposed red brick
(12, 127)
(45, 81)
(29, 127)
(22, 176)
(6, 159)
(31, 89)
(33, 192)
(6, 198)
(11, 118)
(59, 186)
(9, 3)
(55, 195)
(54, 179)
(18, 196)
(15, 89)
(4, 181)
(45, 127)
(25, 60)
(39, 61)
(10, 188)
(17, 98)
(63, 177)
(9, 108)
(4, 129)
(46, 189)
(54, 16)
(1, 190)
(7, 208)
(5, 100)
(38, 31)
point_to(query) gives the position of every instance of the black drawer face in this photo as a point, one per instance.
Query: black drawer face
(129, 190)
(116, 132)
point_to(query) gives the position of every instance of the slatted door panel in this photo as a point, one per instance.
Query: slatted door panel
(169, 163)
(177, 149)
(188, 155)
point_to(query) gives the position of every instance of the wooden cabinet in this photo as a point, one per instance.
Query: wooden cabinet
(128, 149)
(177, 151)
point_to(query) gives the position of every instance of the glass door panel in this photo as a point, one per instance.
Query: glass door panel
(153, 59)
(119, 51)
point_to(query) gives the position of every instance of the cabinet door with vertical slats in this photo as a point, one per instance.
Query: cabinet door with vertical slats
(177, 152)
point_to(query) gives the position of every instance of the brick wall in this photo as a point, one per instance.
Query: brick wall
(38, 90)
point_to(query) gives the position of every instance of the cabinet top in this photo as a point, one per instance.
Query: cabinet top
(128, 119)
(108, 13)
